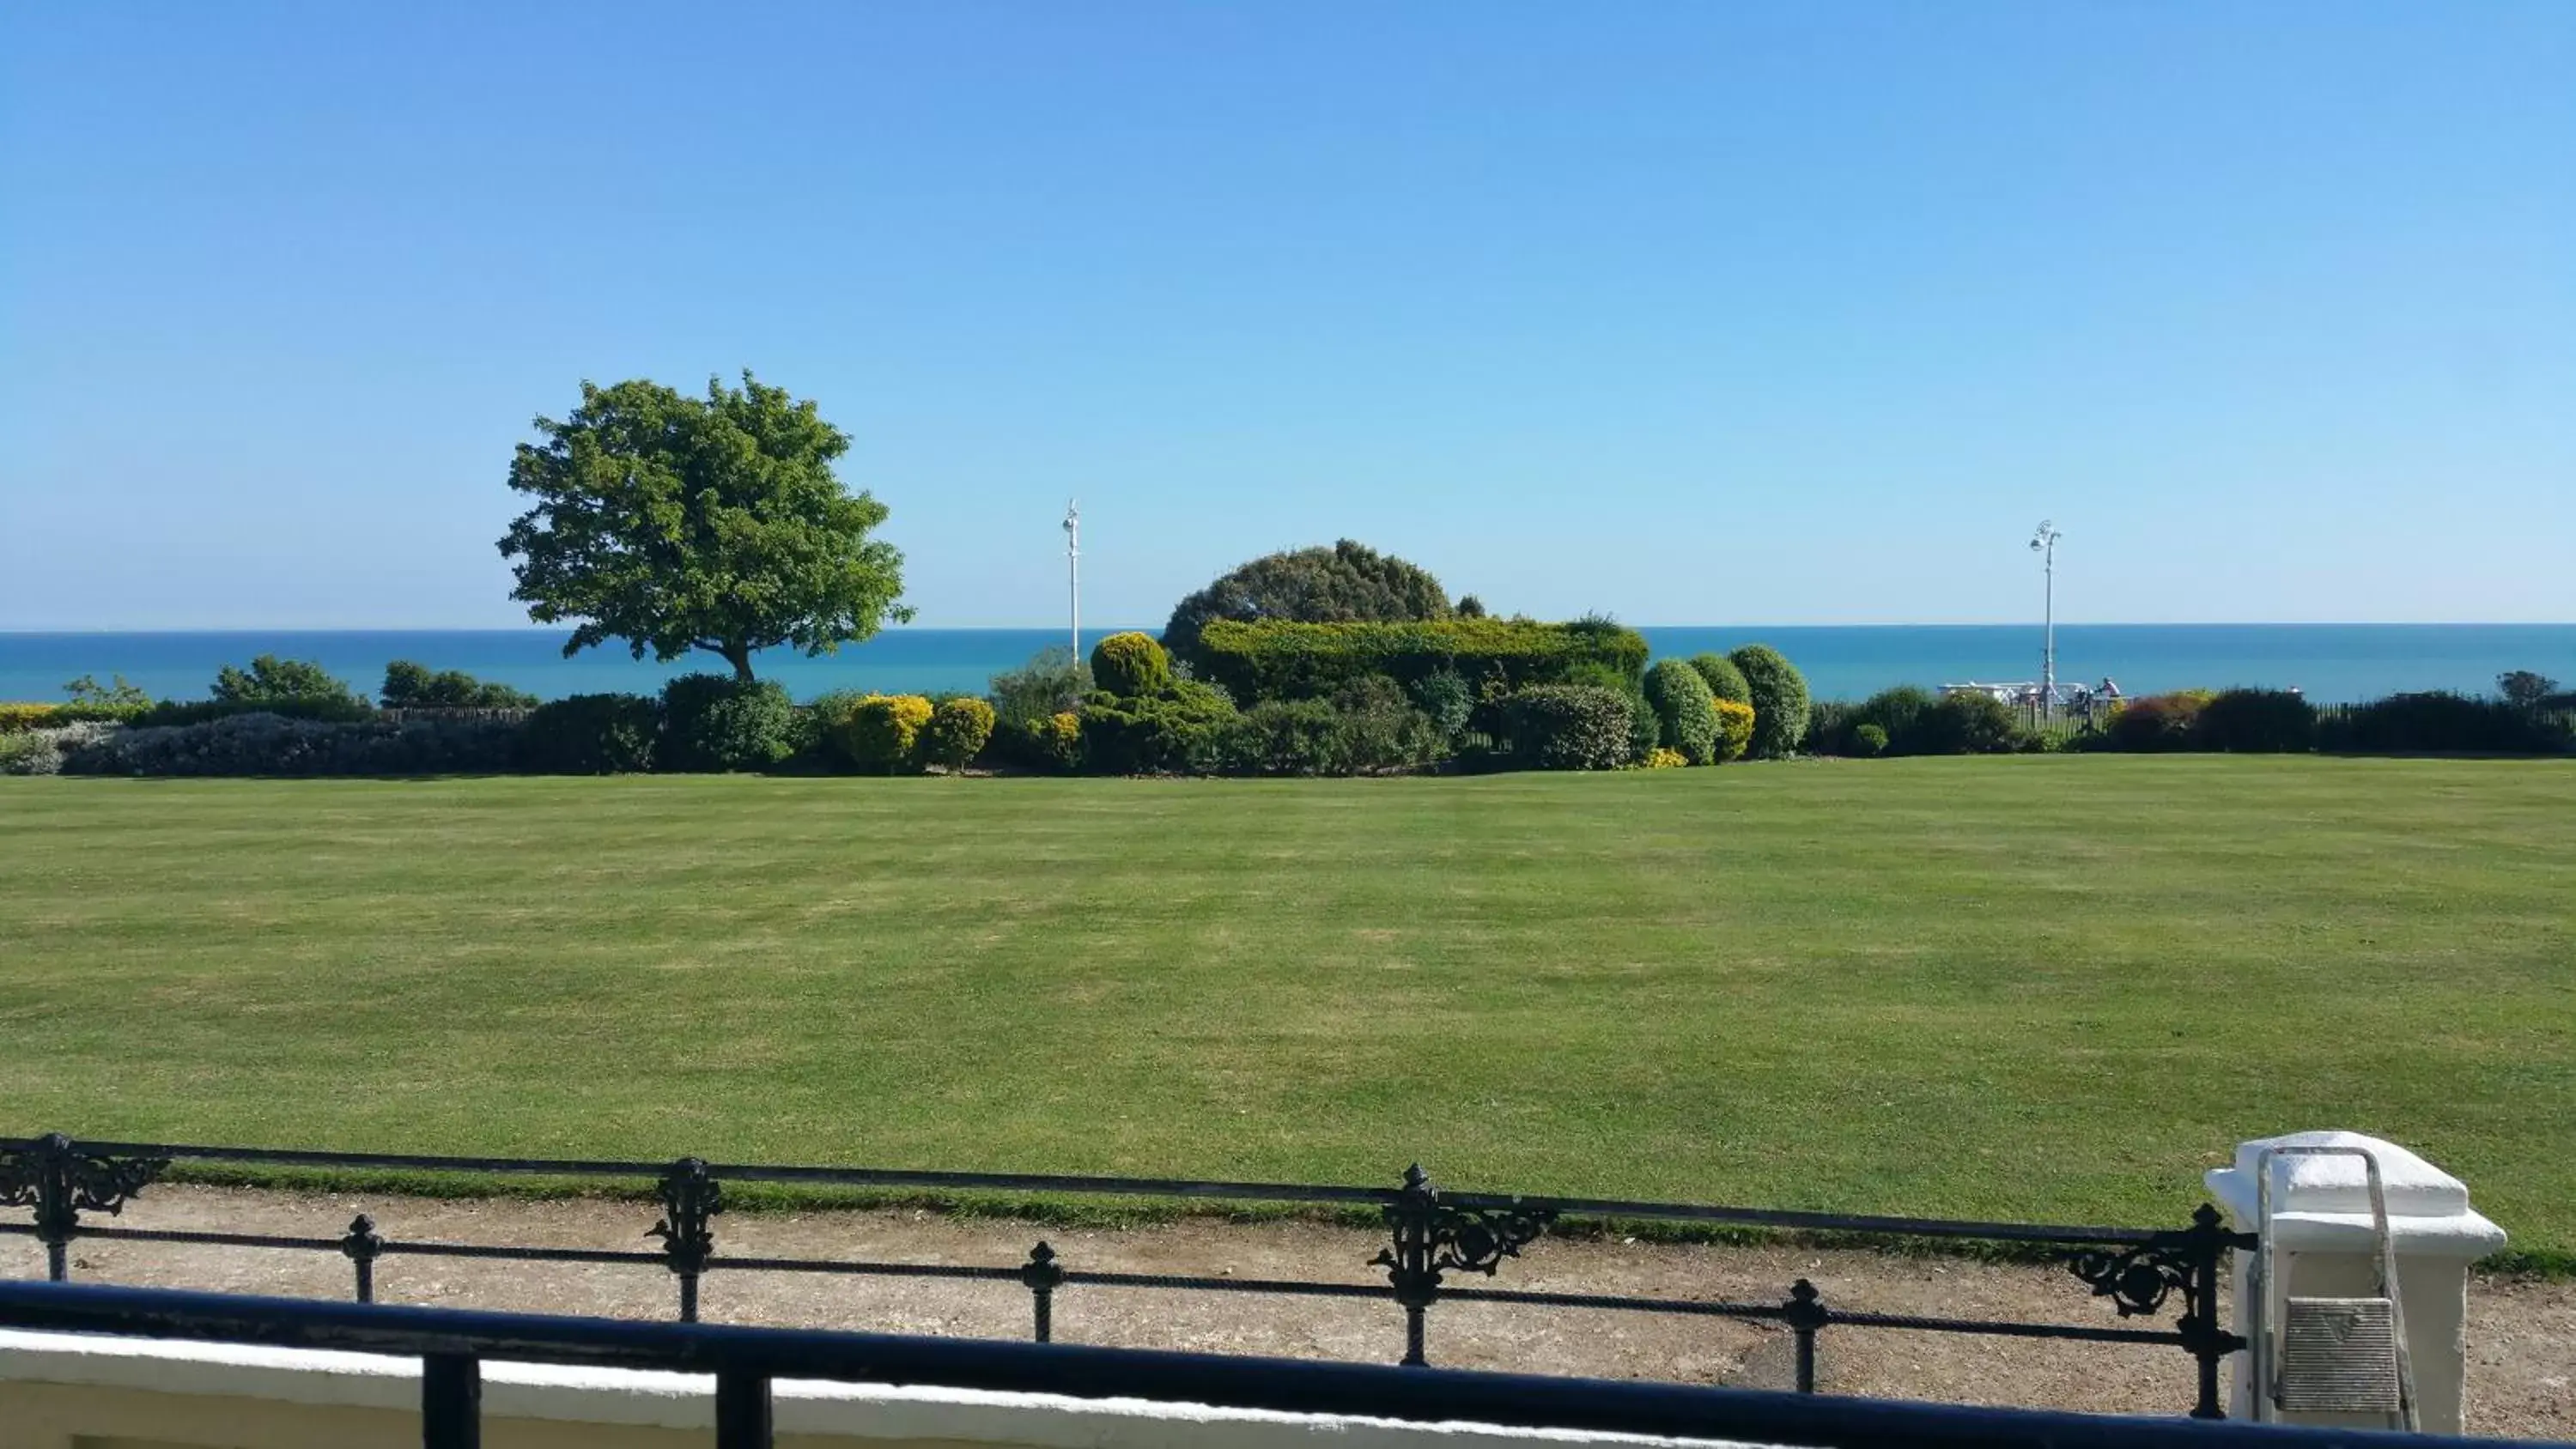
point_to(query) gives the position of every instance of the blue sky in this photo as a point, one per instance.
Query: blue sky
(1689, 312)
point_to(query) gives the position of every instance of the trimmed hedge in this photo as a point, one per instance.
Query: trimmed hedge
(1130, 664)
(1961, 724)
(324, 709)
(715, 723)
(2444, 723)
(1779, 700)
(1725, 681)
(1685, 710)
(1277, 660)
(1569, 727)
(268, 744)
(591, 734)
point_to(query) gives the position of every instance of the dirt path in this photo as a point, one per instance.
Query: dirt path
(2522, 1335)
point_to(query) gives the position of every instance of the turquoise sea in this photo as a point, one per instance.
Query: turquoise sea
(2331, 662)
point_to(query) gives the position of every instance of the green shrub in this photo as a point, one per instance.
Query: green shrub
(270, 680)
(1779, 700)
(1381, 730)
(1685, 710)
(713, 723)
(957, 732)
(1446, 698)
(1725, 681)
(1283, 737)
(1150, 734)
(32, 715)
(1130, 664)
(1899, 711)
(1569, 727)
(321, 709)
(2444, 723)
(414, 686)
(591, 734)
(1734, 730)
(1053, 682)
(1274, 660)
(2155, 721)
(1964, 723)
(2256, 722)
(1868, 740)
(269, 744)
(40, 751)
(881, 733)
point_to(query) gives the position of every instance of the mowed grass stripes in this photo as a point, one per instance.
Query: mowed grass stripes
(2037, 988)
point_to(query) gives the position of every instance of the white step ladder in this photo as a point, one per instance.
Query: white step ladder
(2328, 1355)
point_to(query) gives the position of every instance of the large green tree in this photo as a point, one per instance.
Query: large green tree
(1346, 582)
(715, 523)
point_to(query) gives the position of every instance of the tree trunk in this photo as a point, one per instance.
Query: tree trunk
(739, 656)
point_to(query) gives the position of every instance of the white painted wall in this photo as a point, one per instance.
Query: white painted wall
(114, 1393)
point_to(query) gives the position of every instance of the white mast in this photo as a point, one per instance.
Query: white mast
(2044, 543)
(1073, 570)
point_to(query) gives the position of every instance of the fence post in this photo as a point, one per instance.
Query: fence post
(363, 1247)
(451, 1401)
(2322, 1247)
(742, 1409)
(1804, 1315)
(1042, 1273)
(1413, 1218)
(690, 1196)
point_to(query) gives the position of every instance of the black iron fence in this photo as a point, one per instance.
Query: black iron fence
(452, 1345)
(1434, 1236)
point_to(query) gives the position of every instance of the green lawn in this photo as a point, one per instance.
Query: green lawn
(2038, 988)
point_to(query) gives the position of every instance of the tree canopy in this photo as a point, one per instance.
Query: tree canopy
(270, 679)
(716, 523)
(1340, 584)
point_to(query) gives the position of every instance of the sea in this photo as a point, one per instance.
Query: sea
(2329, 662)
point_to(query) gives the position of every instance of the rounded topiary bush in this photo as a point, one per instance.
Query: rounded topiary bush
(591, 734)
(1724, 680)
(1569, 727)
(1868, 741)
(1779, 699)
(1685, 710)
(715, 722)
(956, 732)
(1131, 665)
(880, 732)
(1734, 730)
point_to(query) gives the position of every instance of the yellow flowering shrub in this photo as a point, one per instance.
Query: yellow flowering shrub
(15, 717)
(1734, 729)
(880, 730)
(1664, 759)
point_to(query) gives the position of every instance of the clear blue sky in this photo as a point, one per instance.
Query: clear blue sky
(1692, 312)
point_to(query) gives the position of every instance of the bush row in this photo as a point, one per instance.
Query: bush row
(1130, 711)
(1908, 720)
(1277, 660)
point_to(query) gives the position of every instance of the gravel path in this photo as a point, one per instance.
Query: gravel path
(2522, 1335)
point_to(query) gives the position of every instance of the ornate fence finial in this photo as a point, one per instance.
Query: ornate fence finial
(690, 1196)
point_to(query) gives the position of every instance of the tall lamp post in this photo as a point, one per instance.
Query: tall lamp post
(1073, 571)
(2044, 543)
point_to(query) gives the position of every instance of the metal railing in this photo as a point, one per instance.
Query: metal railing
(453, 1344)
(1433, 1235)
